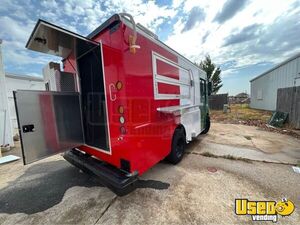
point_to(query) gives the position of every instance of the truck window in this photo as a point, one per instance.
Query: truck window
(202, 90)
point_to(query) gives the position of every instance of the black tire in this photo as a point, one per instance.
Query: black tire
(177, 147)
(207, 125)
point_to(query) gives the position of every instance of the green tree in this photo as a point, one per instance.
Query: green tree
(213, 73)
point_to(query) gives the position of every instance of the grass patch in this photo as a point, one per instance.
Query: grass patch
(208, 154)
(230, 157)
(239, 113)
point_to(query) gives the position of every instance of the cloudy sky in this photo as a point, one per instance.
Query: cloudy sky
(243, 37)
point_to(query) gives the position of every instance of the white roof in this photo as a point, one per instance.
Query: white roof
(277, 66)
(24, 77)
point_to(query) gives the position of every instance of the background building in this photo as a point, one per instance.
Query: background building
(241, 98)
(20, 82)
(5, 123)
(264, 87)
(8, 83)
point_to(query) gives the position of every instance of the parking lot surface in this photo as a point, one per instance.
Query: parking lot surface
(199, 190)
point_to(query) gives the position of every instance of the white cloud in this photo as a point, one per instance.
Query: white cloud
(256, 11)
(15, 35)
(13, 30)
(17, 21)
(205, 36)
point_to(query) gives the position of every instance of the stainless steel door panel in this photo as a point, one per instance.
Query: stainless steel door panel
(51, 39)
(49, 123)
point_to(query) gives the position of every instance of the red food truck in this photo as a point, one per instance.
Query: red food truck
(124, 101)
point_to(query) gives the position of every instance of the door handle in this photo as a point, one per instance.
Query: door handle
(112, 96)
(28, 128)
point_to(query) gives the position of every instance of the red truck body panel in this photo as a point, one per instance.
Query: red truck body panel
(148, 132)
(134, 91)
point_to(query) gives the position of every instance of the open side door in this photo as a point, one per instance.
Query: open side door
(49, 123)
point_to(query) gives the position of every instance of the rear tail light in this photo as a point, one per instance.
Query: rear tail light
(122, 130)
(122, 119)
(119, 85)
(121, 109)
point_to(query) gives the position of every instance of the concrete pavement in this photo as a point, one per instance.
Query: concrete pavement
(52, 191)
(250, 143)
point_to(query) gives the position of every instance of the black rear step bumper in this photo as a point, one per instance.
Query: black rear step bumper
(120, 182)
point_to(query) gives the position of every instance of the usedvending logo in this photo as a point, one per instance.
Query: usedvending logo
(264, 210)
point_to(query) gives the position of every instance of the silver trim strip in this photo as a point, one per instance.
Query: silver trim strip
(168, 61)
(104, 84)
(98, 149)
(45, 23)
(168, 80)
(158, 78)
(171, 109)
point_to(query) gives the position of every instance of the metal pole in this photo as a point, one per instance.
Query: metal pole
(4, 128)
(7, 133)
(3, 137)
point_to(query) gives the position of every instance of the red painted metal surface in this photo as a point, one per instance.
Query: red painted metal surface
(168, 88)
(167, 70)
(48, 116)
(148, 132)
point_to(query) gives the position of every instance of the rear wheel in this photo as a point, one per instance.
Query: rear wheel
(178, 146)
(207, 125)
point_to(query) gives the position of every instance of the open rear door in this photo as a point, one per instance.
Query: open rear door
(49, 123)
(51, 39)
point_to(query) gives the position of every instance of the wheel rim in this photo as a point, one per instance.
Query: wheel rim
(179, 148)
